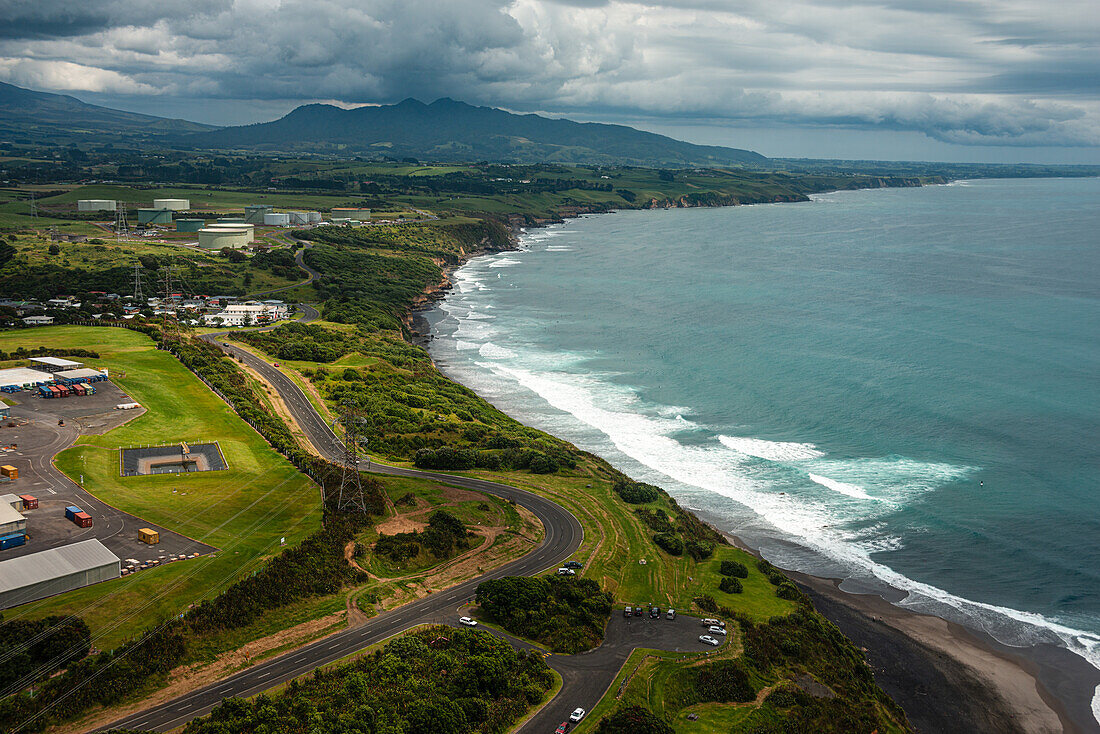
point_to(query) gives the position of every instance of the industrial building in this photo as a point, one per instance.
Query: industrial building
(85, 374)
(154, 216)
(55, 571)
(96, 205)
(277, 219)
(190, 225)
(55, 364)
(342, 212)
(11, 519)
(176, 205)
(17, 378)
(14, 501)
(255, 214)
(211, 238)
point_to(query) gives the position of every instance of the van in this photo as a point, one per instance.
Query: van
(626, 612)
(670, 614)
(566, 572)
(709, 622)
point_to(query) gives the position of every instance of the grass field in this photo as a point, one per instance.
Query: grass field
(243, 511)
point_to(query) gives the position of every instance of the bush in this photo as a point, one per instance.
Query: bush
(700, 550)
(789, 591)
(706, 603)
(657, 520)
(730, 585)
(636, 493)
(734, 569)
(566, 613)
(723, 681)
(670, 543)
(633, 720)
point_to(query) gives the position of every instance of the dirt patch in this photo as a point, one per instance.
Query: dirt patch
(399, 524)
(187, 678)
(455, 494)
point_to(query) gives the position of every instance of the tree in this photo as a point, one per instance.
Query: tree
(633, 720)
(55, 250)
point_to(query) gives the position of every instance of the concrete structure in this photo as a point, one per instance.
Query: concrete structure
(11, 521)
(342, 212)
(190, 225)
(55, 571)
(96, 205)
(19, 377)
(176, 205)
(276, 219)
(255, 214)
(55, 364)
(248, 313)
(217, 239)
(154, 216)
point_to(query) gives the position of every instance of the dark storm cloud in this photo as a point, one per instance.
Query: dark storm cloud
(1003, 72)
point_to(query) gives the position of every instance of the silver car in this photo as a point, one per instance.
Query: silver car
(708, 640)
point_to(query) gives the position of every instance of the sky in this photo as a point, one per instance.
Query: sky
(965, 80)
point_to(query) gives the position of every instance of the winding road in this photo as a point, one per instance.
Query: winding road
(585, 677)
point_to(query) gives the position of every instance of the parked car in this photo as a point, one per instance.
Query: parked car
(577, 715)
(562, 728)
(708, 640)
(716, 630)
(626, 612)
(670, 614)
(467, 621)
(566, 572)
(654, 612)
(574, 564)
(638, 610)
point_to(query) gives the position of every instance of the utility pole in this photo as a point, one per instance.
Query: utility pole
(34, 207)
(350, 497)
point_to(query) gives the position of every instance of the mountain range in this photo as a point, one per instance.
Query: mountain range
(445, 130)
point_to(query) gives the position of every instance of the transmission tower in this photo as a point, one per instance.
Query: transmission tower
(350, 497)
(34, 207)
(169, 286)
(139, 297)
(121, 227)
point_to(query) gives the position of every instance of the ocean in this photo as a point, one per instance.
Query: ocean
(898, 387)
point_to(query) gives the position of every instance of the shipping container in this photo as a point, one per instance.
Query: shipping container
(148, 535)
(83, 519)
(70, 511)
(9, 471)
(45, 392)
(29, 502)
(56, 391)
(79, 387)
(62, 391)
(12, 540)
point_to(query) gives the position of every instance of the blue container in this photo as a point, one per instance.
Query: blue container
(70, 511)
(11, 541)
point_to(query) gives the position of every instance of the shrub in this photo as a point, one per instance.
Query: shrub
(700, 550)
(706, 603)
(633, 720)
(657, 520)
(789, 591)
(734, 569)
(670, 543)
(723, 681)
(730, 585)
(566, 613)
(636, 493)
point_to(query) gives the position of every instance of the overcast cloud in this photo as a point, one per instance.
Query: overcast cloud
(970, 72)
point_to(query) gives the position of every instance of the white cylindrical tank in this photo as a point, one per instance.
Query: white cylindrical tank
(276, 219)
(298, 217)
(96, 205)
(217, 238)
(226, 225)
(314, 217)
(176, 205)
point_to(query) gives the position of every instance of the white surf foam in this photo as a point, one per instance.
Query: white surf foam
(492, 351)
(772, 450)
(505, 262)
(849, 490)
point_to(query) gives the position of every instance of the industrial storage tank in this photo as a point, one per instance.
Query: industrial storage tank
(276, 219)
(96, 205)
(176, 205)
(298, 217)
(314, 217)
(154, 216)
(231, 220)
(255, 214)
(217, 238)
(223, 225)
(342, 212)
(190, 225)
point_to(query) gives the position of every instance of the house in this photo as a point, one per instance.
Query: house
(247, 314)
(38, 320)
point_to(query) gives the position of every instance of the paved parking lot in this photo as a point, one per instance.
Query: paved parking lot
(31, 439)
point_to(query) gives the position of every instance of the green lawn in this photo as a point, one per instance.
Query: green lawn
(243, 511)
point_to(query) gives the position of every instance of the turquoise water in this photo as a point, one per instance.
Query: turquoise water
(899, 387)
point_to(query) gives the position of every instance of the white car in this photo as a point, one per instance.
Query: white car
(467, 621)
(716, 630)
(708, 640)
(577, 715)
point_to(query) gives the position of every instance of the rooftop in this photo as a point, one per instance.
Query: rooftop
(50, 564)
(23, 376)
(57, 362)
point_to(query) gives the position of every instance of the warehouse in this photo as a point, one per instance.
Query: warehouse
(17, 378)
(82, 375)
(154, 216)
(11, 520)
(95, 205)
(217, 238)
(55, 571)
(363, 215)
(55, 364)
(190, 225)
(175, 205)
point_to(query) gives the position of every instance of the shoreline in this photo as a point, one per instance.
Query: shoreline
(947, 676)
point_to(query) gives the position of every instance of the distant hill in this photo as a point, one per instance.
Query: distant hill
(447, 130)
(61, 119)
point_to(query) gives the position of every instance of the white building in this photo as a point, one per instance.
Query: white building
(38, 320)
(248, 313)
(55, 571)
